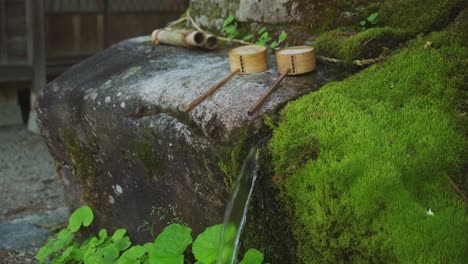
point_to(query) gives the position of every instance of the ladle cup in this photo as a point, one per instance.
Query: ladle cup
(242, 60)
(290, 61)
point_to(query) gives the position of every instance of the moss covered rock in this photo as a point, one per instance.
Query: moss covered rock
(364, 165)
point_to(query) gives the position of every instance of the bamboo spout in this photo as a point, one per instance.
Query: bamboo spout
(184, 38)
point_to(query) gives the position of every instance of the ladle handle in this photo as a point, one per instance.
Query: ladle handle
(208, 93)
(265, 96)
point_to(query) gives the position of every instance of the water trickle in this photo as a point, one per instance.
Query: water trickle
(236, 209)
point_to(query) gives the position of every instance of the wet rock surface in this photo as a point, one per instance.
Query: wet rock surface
(114, 124)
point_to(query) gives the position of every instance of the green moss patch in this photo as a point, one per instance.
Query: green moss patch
(152, 161)
(84, 169)
(386, 141)
(232, 154)
(420, 15)
(398, 21)
(349, 46)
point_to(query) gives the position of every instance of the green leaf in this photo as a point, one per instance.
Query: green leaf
(282, 36)
(64, 256)
(228, 21)
(170, 244)
(132, 255)
(248, 37)
(45, 250)
(274, 44)
(363, 23)
(206, 246)
(109, 254)
(167, 260)
(264, 35)
(64, 239)
(252, 256)
(123, 243)
(373, 18)
(261, 30)
(103, 233)
(82, 216)
(118, 234)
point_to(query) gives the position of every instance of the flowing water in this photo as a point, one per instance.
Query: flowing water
(236, 209)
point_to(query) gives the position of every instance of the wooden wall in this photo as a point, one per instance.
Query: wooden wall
(13, 45)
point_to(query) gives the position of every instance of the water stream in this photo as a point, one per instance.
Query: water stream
(236, 209)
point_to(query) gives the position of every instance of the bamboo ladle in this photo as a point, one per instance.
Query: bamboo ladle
(242, 60)
(290, 61)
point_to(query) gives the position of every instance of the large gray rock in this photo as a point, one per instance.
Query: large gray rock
(122, 144)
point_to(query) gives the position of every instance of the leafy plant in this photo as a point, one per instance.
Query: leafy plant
(282, 37)
(168, 248)
(262, 37)
(370, 20)
(230, 27)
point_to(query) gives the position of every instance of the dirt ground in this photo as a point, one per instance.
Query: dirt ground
(31, 198)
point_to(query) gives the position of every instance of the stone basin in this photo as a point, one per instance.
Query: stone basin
(122, 144)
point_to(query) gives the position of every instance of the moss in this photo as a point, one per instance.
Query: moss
(345, 44)
(389, 138)
(84, 169)
(399, 21)
(419, 16)
(459, 27)
(146, 153)
(232, 154)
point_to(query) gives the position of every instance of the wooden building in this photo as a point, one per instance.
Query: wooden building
(40, 39)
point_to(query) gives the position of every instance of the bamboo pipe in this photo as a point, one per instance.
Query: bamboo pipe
(210, 92)
(185, 38)
(259, 103)
(211, 42)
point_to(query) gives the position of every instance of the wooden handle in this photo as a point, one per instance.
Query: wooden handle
(265, 96)
(211, 91)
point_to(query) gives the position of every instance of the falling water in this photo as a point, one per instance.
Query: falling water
(236, 210)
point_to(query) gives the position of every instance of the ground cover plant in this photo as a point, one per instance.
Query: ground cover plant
(383, 31)
(364, 165)
(170, 247)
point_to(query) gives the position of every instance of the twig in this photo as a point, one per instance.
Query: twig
(368, 41)
(455, 187)
(182, 19)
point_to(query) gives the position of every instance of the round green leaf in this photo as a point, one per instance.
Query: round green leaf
(118, 234)
(206, 246)
(82, 216)
(252, 256)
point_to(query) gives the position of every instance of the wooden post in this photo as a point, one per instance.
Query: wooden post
(3, 33)
(36, 54)
(107, 17)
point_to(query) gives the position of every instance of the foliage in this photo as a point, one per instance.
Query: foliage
(349, 46)
(370, 21)
(168, 248)
(262, 37)
(230, 27)
(418, 16)
(387, 140)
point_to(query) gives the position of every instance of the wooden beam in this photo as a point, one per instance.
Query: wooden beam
(36, 48)
(13, 73)
(36, 43)
(107, 23)
(3, 33)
